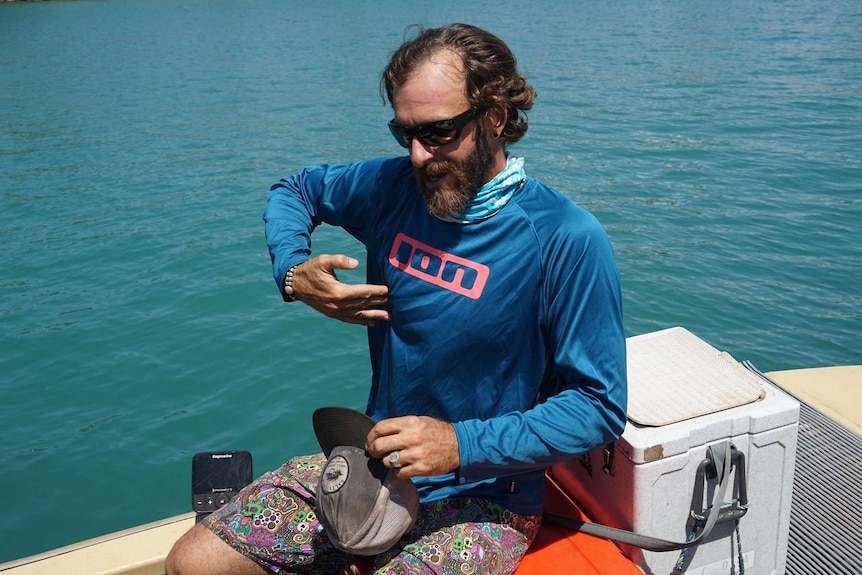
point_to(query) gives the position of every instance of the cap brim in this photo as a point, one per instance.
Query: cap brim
(337, 426)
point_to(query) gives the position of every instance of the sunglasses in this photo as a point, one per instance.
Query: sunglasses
(435, 133)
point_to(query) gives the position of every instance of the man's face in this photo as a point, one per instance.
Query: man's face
(448, 175)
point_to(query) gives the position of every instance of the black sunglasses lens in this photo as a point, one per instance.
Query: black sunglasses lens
(433, 133)
(400, 135)
(438, 133)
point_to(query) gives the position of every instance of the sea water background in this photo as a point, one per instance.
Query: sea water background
(720, 143)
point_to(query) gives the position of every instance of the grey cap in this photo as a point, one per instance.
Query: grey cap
(364, 508)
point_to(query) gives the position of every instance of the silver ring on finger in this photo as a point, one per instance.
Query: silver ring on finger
(395, 458)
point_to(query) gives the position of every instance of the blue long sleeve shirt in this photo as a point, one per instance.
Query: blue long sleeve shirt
(510, 328)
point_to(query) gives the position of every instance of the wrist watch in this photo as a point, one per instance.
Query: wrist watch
(289, 293)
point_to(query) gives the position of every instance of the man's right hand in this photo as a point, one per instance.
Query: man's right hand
(315, 283)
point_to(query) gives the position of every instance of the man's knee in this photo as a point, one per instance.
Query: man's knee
(182, 553)
(200, 552)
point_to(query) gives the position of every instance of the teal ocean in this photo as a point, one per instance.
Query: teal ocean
(720, 143)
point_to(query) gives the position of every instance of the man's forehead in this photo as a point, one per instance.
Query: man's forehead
(438, 82)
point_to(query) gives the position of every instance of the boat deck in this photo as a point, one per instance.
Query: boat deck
(825, 520)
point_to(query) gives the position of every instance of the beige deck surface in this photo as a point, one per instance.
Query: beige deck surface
(137, 551)
(834, 391)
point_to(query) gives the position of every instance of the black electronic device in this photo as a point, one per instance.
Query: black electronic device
(217, 476)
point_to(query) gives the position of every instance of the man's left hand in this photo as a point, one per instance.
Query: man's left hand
(425, 446)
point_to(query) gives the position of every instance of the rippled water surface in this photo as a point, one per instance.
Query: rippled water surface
(719, 143)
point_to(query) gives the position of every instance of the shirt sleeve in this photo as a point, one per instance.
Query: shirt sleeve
(582, 403)
(339, 195)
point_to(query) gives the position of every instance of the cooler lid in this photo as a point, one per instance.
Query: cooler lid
(673, 376)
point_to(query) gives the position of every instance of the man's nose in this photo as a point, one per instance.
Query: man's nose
(419, 153)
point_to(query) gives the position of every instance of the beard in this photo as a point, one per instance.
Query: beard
(468, 176)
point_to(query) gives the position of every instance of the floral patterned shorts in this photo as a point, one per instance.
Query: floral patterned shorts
(272, 521)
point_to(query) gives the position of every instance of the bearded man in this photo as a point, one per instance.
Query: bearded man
(494, 321)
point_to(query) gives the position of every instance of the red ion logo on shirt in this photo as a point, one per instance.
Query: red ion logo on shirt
(438, 267)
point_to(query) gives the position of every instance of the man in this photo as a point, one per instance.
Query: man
(494, 323)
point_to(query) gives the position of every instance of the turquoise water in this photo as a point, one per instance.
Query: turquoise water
(719, 142)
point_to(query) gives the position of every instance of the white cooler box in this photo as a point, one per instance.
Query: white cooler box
(684, 396)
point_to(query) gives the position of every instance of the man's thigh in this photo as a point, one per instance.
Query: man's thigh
(461, 537)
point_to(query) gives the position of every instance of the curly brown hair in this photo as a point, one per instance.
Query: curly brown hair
(491, 71)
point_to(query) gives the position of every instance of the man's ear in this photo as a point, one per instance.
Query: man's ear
(497, 116)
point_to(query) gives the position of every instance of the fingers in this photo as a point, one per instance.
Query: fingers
(316, 284)
(336, 262)
(414, 445)
(394, 458)
(357, 304)
(388, 440)
(318, 275)
(367, 317)
(390, 434)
